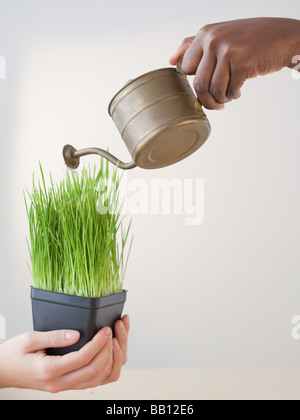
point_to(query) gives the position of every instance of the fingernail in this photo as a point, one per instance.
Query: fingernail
(121, 326)
(71, 335)
(108, 333)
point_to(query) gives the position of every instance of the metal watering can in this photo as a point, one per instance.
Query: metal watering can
(159, 118)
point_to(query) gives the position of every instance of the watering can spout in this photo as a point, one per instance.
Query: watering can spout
(72, 157)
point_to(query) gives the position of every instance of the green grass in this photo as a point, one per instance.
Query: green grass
(76, 247)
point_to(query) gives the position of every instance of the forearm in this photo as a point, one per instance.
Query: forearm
(295, 45)
(2, 373)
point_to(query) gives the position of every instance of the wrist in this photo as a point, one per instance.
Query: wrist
(5, 372)
(2, 374)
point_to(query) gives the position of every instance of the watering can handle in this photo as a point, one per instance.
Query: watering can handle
(179, 65)
(72, 157)
(198, 105)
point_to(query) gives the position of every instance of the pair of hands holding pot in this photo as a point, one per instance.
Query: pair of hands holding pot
(24, 363)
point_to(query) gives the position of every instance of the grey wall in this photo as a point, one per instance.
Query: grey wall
(219, 294)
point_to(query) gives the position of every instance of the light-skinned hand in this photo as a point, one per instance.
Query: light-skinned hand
(25, 364)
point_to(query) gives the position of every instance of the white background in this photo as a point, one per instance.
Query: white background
(222, 294)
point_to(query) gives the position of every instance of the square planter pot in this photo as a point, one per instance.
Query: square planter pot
(57, 311)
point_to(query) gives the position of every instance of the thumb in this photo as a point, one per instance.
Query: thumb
(44, 340)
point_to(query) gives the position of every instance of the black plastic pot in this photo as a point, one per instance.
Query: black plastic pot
(56, 311)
